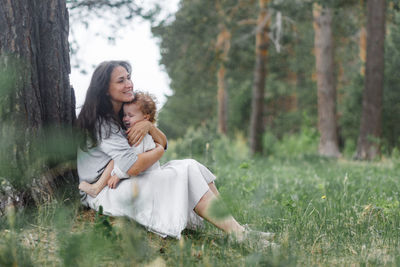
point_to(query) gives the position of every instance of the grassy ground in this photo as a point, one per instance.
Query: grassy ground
(325, 213)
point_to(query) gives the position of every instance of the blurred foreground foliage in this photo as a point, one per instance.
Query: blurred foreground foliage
(51, 151)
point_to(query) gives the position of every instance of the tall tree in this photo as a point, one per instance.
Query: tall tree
(34, 51)
(368, 146)
(391, 95)
(324, 50)
(226, 25)
(260, 72)
(223, 45)
(363, 49)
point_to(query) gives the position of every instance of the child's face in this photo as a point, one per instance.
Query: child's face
(132, 114)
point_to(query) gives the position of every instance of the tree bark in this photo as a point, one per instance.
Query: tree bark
(34, 51)
(323, 43)
(368, 146)
(260, 72)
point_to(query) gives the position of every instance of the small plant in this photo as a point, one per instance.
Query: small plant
(102, 225)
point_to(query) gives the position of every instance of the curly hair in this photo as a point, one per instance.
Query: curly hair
(147, 104)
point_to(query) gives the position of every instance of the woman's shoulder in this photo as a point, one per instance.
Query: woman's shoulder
(108, 127)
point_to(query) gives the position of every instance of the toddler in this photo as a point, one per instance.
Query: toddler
(142, 107)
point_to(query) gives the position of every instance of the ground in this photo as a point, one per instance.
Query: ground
(325, 212)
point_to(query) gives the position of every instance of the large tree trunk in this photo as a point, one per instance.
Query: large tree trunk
(260, 72)
(223, 45)
(34, 53)
(323, 43)
(368, 146)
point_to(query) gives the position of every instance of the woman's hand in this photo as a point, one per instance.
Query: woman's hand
(137, 132)
(113, 181)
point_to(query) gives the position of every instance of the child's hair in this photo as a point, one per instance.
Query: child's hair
(147, 104)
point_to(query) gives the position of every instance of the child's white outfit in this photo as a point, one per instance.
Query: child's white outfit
(162, 198)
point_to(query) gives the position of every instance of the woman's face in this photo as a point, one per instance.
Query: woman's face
(121, 86)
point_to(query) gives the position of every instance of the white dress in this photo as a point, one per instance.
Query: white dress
(162, 198)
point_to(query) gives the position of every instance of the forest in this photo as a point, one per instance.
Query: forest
(315, 73)
(293, 105)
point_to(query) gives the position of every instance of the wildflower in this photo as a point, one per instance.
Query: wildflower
(323, 197)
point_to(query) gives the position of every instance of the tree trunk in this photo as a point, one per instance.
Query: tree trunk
(363, 49)
(368, 146)
(260, 72)
(323, 42)
(34, 54)
(222, 47)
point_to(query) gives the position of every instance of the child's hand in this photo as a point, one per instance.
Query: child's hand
(113, 181)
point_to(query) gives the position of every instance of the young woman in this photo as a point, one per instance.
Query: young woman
(165, 203)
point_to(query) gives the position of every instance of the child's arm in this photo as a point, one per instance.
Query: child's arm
(94, 189)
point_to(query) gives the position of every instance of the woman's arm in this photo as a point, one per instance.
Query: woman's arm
(158, 136)
(126, 158)
(137, 132)
(146, 159)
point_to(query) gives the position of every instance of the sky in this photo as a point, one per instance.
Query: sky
(136, 46)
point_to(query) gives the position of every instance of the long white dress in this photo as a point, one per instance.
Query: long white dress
(162, 198)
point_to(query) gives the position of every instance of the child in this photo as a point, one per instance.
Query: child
(142, 107)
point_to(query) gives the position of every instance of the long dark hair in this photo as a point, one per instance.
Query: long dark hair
(98, 108)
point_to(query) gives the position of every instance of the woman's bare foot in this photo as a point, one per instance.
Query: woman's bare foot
(247, 233)
(91, 189)
(254, 238)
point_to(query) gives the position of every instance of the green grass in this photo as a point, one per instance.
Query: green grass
(325, 213)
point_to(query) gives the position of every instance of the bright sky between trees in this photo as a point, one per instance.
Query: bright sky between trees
(136, 45)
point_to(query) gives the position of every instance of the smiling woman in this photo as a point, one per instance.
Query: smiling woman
(121, 88)
(103, 138)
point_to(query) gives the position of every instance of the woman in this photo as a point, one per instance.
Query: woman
(163, 203)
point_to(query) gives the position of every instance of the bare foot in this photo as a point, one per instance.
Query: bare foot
(248, 233)
(88, 188)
